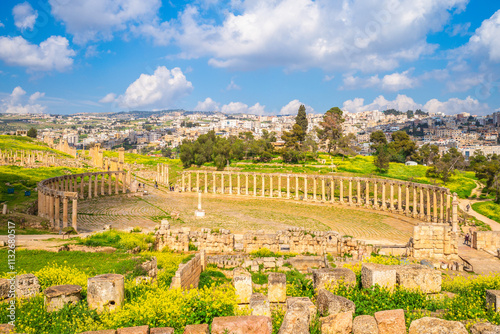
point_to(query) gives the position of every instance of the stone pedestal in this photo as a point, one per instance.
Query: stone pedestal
(242, 281)
(277, 287)
(105, 292)
(372, 273)
(259, 304)
(58, 296)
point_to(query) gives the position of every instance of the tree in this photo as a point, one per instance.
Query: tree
(32, 133)
(346, 146)
(377, 138)
(301, 120)
(444, 167)
(292, 138)
(382, 159)
(427, 154)
(331, 128)
(401, 147)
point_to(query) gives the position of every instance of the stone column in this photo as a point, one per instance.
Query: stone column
(367, 193)
(288, 186)
(189, 182)
(375, 195)
(82, 187)
(400, 199)
(421, 211)
(271, 185)
(197, 181)
(332, 190)
(222, 182)
(263, 178)
(183, 182)
(254, 184)
(448, 209)
(206, 182)
(51, 210)
(246, 183)
(392, 197)
(350, 191)
(90, 185)
(168, 175)
(428, 205)
(341, 196)
(96, 184)
(230, 176)
(74, 214)
(110, 184)
(407, 199)
(384, 204)
(358, 192)
(70, 183)
(314, 188)
(65, 212)
(57, 220)
(434, 206)
(124, 184)
(323, 191)
(414, 213)
(214, 183)
(305, 188)
(279, 185)
(454, 213)
(296, 187)
(239, 184)
(102, 184)
(441, 207)
(116, 184)
(75, 184)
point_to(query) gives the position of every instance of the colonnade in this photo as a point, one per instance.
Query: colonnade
(27, 158)
(162, 172)
(57, 191)
(421, 201)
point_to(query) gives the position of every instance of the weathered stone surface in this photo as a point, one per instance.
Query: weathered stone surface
(364, 324)
(242, 281)
(312, 307)
(372, 273)
(276, 287)
(436, 326)
(332, 304)
(493, 300)
(249, 324)
(302, 263)
(58, 296)
(6, 329)
(391, 322)
(105, 292)
(484, 328)
(27, 286)
(260, 305)
(196, 329)
(161, 330)
(104, 331)
(133, 330)
(323, 277)
(417, 276)
(296, 320)
(4, 288)
(340, 323)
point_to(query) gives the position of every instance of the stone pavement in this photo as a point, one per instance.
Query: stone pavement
(482, 262)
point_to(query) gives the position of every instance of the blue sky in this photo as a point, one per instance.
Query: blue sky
(259, 56)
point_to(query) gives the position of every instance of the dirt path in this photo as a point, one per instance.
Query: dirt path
(462, 203)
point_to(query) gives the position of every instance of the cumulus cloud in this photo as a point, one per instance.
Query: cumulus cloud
(207, 105)
(293, 107)
(390, 82)
(52, 54)
(16, 102)
(24, 16)
(403, 103)
(367, 35)
(109, 98)
(99, 19)
(158, 90)
(485, 39)
(242, 108)
(233, 86)
(1, 24)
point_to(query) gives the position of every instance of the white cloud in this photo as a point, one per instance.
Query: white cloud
(367, 35)
(14, 103)
(158, 90)
(485, 39)
(458, 29)
(403, 103)
(109, 98)
(257, 109)
(235, 108)
(207, 105)
(233, 86)
(52, 54)
(99, 19)
(2, 25)
(390, 82)
(328, 77)
(24, 16)
(293, 107)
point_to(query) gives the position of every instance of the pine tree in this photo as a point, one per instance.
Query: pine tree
(301, 120)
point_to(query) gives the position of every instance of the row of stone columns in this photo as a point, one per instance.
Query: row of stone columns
(56, 192)
(162, 174)
(27, 158)
(424, 202)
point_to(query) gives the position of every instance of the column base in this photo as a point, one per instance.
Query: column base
(199, 213)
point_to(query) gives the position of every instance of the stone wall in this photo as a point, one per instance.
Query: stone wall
(486, 240)
(188, 274)
(293, 240)
(434, 241)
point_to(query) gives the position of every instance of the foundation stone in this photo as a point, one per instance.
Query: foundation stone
(58, 296)
(105, 292)
(372, 273)
(323, 277)
(277, 287)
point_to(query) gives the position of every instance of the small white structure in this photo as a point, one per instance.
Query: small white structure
(411, 163)
(199, 212)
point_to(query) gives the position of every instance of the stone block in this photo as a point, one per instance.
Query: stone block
(484, 328)
(332, 304)
(312, 308)
(277, 287)
(27, 286)
(323, 277)
(340, 323)
(242, 281)
(259, 304)
(133, 330)
(419, 277)
(372, 273)
(105, 292)
(437, 326)
(162, 330)
(250, 324)
(4, 288)
(391, 322)
(6, 329)
(493, 300)
(196, 329)
(364, 324)
(58, 296)
(296, 320)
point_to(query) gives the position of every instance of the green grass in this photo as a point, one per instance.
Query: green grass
(118, 239)
(489, 209)
(18, 143)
